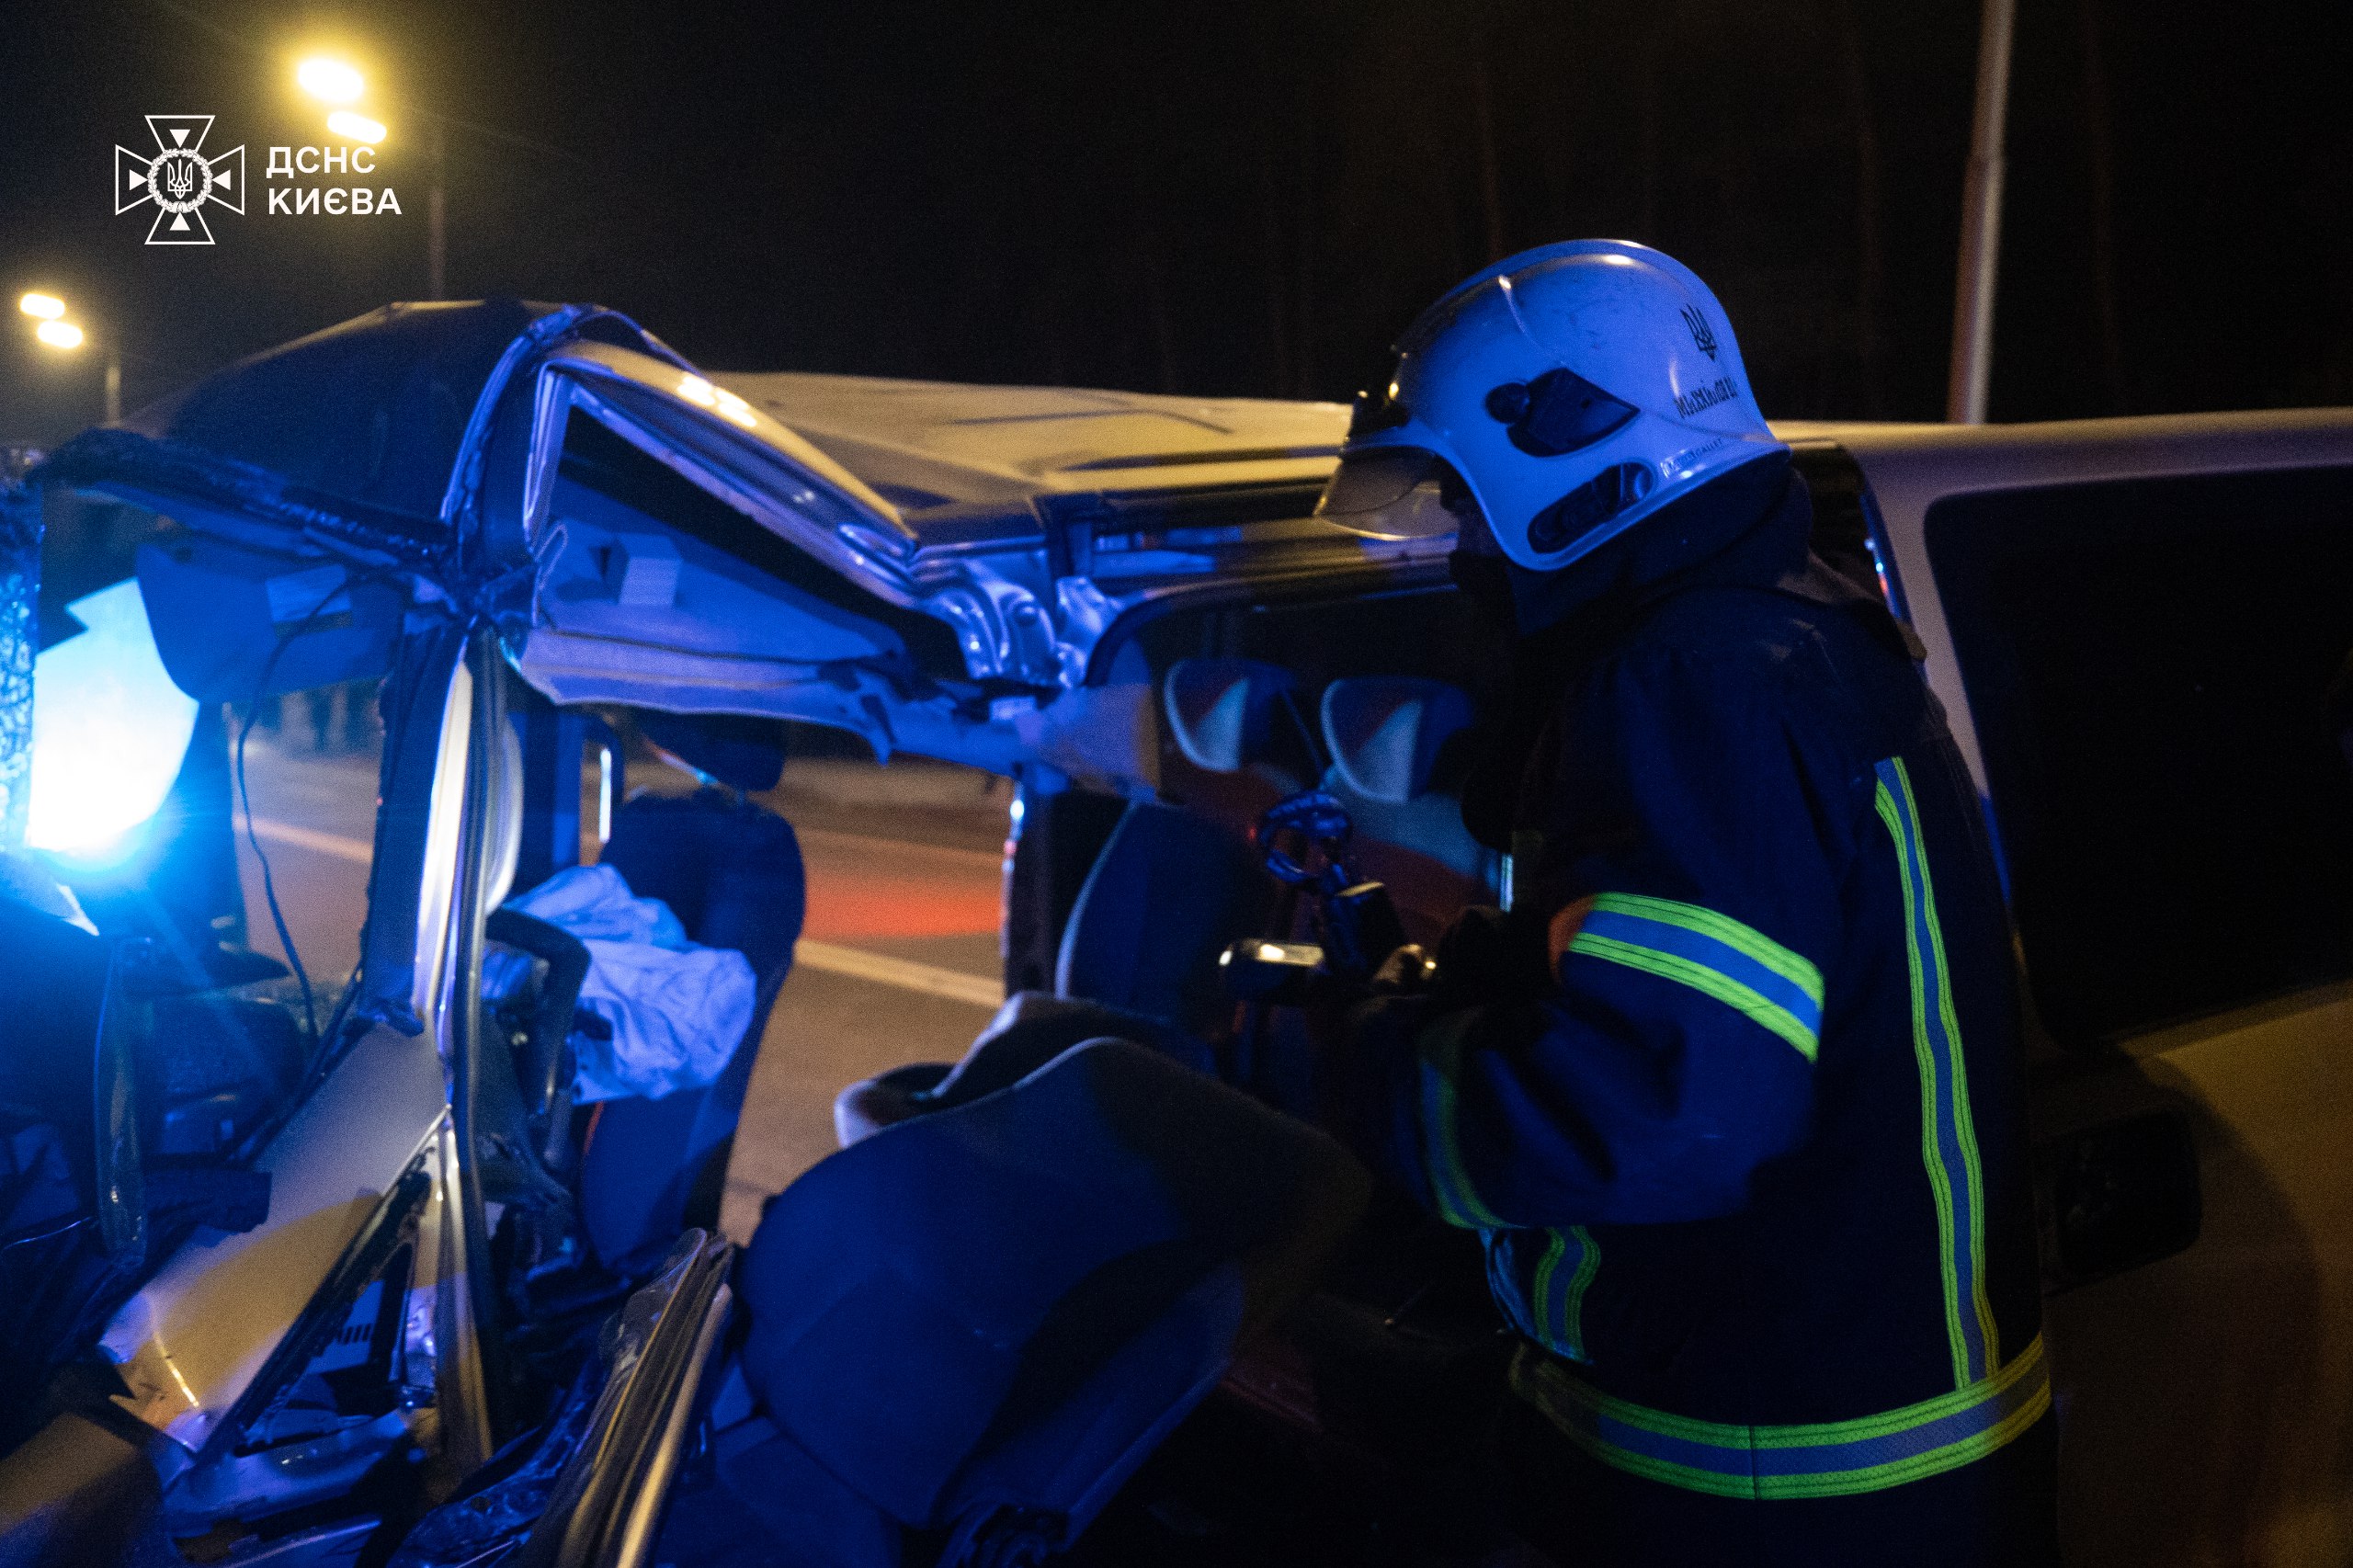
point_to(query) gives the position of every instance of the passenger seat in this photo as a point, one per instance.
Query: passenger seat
(733, 874)
(1167, 893)
(978, 1323)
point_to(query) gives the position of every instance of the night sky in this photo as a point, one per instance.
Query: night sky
(1219, 197)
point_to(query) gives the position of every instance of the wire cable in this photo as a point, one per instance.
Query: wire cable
(342, 589)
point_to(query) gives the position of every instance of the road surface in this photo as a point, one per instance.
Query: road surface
(898, 959)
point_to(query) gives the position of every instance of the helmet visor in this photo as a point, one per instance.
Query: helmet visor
(1388, 492)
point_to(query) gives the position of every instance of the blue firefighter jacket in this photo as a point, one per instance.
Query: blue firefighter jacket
(1749, 1157)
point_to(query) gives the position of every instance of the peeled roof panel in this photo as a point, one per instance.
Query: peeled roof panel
(998, 444)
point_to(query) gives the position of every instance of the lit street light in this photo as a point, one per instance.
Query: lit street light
(356, 127)
(333, 81)
(330, 81)
(56, 332)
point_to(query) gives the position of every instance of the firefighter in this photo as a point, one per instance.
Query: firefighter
(1732, 1092)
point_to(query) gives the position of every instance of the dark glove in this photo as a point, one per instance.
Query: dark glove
(1490, 956)
(1408, 971)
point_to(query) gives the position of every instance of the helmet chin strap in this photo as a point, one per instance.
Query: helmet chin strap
(1486, 582)
(1690, 531)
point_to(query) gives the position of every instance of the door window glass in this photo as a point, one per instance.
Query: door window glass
(2150, 665)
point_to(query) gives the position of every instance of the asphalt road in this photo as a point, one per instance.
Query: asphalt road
(898, 959)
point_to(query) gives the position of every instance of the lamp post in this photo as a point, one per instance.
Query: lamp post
(53, 331)
(339, 84)
(1981, 222)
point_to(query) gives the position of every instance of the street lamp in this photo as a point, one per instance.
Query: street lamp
(353, 126)
(338, 82)
(330, 81)
(54, 331)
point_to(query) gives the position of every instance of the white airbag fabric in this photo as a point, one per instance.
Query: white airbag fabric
(677, 1010)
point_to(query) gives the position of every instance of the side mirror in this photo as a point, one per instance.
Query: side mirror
(2118, 1197)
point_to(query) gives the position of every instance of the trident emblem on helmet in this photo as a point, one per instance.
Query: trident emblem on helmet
(1703, 336)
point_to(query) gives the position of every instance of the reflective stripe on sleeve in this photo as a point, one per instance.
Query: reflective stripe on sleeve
(1947, 1134)
(1828, 1459)
(1562, 1275)
(1457, 1200)
(1714, 954)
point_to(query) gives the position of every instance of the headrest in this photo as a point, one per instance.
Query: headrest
(1219, 710)
(1386, 731)
(745, 752)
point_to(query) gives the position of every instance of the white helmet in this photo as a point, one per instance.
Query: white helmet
(1575, 388)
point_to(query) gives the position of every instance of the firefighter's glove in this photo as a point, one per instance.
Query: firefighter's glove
(1490, 956)
(1408, 971)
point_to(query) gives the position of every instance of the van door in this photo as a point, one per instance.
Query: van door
(2145, 624)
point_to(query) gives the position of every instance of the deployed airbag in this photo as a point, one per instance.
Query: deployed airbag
(677, 1010)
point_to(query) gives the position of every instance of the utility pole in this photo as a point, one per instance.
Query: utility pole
(1981, 222)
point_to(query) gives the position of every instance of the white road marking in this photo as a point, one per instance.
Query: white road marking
(332, 844)
(903, 973)
(865, 844)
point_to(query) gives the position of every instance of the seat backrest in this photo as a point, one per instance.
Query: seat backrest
(733, 874)
(1000, 1306)
(1223, 713)
(1387, 734)
(1167, 893)
(1397, 746)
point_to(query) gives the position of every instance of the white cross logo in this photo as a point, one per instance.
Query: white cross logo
(179, 179)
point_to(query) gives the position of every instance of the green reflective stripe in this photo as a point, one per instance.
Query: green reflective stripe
(1817, 1460)
(1573, 1303)
(1795, 968)
(1948, 1131)
(1548, 1269)
(1458, 1202)
(1563, 1329)
(1708, 981)
(1939, 1183)
(1965, 1123)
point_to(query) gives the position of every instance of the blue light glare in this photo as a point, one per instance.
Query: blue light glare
(110, 731)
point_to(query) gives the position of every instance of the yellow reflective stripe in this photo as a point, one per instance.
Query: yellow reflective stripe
(1955, 1180)
(1795, 968)
(1706, 982)
(1573, 1303)
(1965, 1123)
(1458, 1202)
(1815, 1459)
(1563, 1330)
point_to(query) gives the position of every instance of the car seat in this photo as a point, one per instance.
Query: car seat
(1168, 892)
(977, 1324)
(1394, 752)
(1029, 1030)
(1399, 748)
(1172, 886)
(733, 874)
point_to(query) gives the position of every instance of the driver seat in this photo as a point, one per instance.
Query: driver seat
(973, 1325)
